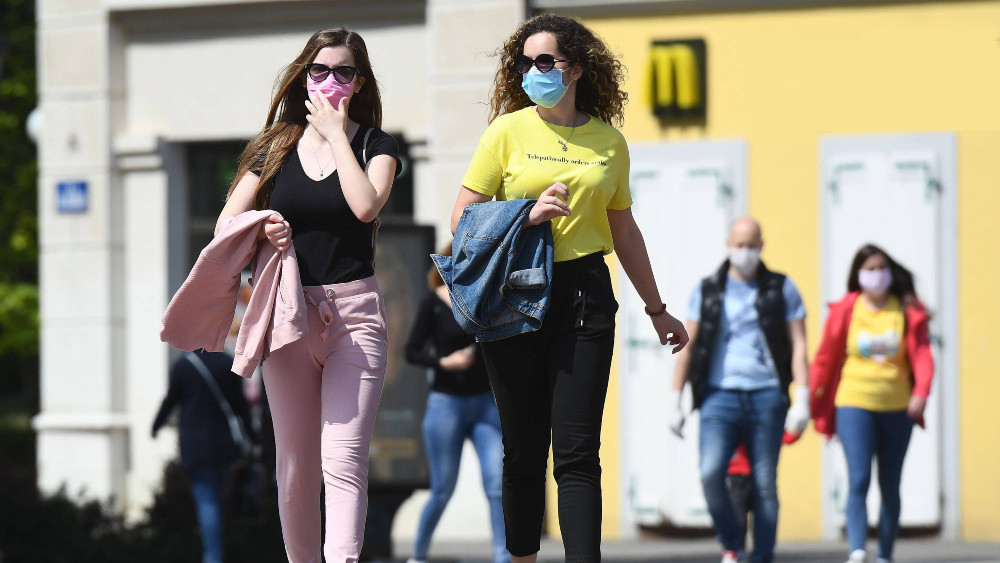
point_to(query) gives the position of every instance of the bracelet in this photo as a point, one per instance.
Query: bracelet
(663, 309)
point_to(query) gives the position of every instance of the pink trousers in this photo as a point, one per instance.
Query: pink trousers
(324, 390)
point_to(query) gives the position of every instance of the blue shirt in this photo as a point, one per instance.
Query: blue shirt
(740, 357)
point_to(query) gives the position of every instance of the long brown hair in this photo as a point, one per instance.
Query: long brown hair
(286, 119)
(598, 91)
(434, 280)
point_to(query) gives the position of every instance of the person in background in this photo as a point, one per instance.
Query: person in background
(459, 406)
(872, 375)
(747, 326)
(739, 482)
(208, 445)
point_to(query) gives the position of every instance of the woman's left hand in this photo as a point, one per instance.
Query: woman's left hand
(916, 409)
(670, 330)
(326, 119)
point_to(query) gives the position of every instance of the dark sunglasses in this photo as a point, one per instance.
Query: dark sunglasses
(343, 74)
(543, 63)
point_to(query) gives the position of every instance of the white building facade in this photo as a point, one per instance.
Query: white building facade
(143, 103)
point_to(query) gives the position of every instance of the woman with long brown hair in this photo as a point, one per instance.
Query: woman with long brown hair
(459, 406)
(556, 95)
(324, 166)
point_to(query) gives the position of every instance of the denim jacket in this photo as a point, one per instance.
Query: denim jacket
(499, 273)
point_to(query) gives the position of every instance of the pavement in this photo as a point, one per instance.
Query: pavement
(922, 550)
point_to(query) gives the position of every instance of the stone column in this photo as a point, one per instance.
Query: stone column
(463, 35)
(144, 166)
(82, 428)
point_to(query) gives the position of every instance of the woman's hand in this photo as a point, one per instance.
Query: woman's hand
(670, 330)
(326, 119)
(916, 408)
(278, 232)
(459, 360)
(549, 206)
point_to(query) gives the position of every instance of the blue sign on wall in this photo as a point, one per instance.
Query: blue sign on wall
(72, 197)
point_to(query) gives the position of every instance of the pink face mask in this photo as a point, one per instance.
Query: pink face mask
(331, 89)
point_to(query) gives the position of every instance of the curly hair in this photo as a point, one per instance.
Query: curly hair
(598, 91)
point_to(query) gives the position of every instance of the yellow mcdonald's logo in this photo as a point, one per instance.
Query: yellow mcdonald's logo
(674, 78)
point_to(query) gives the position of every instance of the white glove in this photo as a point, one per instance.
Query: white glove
(677, 416)
(798, 415)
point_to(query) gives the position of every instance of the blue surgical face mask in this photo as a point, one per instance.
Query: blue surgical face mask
(544, 88)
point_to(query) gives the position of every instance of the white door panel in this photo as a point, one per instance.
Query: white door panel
(684, 197)
(889, 191)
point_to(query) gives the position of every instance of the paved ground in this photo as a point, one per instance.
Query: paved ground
(707, 551)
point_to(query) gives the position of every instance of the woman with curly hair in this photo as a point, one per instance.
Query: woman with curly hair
(556, 94)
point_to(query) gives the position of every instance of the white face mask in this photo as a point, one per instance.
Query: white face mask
(745, 260)
(875, 281)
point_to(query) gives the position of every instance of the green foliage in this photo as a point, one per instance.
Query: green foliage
(18, 156)
(57, 528)
(18, 319)
(19, 323)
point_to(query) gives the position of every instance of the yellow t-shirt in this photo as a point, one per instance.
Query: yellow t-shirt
(876, 373)
(520, 155)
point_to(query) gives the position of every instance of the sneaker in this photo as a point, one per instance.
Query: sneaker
(731, 557)
(412, 560)
(858, 556)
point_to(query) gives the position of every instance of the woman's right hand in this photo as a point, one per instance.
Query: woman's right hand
(459, 360)
(549, 205)
(278, 232)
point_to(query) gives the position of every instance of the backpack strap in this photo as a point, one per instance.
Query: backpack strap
(236, 429)
(364, 146)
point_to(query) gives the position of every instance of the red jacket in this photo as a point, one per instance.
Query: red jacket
(824, 373)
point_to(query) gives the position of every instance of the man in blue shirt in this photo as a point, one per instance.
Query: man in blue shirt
(748, 343)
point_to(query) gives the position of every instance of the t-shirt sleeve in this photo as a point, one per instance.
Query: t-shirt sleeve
(485, 172)
(694, 305)
(794, 308)
(622, 198)
(384, 143)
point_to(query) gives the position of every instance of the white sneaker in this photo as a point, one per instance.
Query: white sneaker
(858, 556)
(731, 557)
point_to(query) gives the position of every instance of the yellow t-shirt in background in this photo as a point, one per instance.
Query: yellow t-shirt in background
(520, 155)
(876, 373)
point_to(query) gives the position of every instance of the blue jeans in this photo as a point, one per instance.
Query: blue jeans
(885, 436)
(757, 419)
(448, 421)
(206, 487)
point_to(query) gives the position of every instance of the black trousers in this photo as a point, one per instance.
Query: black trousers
(553, 382)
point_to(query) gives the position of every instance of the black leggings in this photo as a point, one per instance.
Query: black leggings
(555, 380)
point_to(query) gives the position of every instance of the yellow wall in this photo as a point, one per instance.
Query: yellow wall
(979, 342)
(781, 80)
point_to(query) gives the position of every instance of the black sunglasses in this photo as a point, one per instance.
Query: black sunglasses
(343, 74)
(544, 63)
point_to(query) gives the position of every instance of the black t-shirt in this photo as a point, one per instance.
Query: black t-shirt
(331, 244)
(435, 334)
